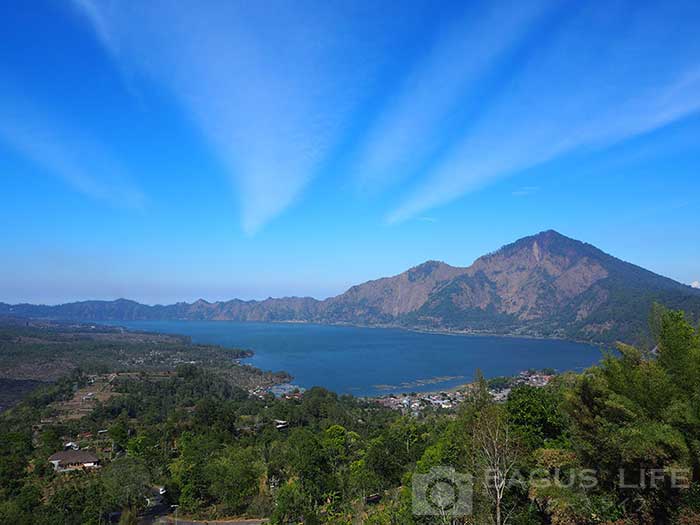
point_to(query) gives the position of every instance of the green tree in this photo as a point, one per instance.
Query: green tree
(293, 505)
(190, 468)
(309, 461)
(126, 481)
(234, 477)
(119, 431)
(535, 414)
(637, 416)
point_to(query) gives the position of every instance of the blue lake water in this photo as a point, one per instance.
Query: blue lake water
(375, 361)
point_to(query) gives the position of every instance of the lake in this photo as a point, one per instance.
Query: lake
(375, 361)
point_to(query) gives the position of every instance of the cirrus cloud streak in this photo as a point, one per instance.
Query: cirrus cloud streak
(583, 90)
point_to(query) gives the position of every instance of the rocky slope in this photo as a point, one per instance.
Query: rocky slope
(545, 285)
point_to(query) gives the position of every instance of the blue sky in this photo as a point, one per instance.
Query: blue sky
(167, 151)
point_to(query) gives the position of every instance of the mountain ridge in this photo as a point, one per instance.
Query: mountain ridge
(545, 285)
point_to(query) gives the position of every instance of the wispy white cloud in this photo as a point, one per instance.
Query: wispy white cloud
(274, 87)
(426, 218)
(63, 151)
(270, 85)
(97, 14)
(584, 90)
(412, 126)
(695, 284)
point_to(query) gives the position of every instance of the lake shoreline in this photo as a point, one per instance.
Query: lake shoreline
(372, 361)
(436, 331)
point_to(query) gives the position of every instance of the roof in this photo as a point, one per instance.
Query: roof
(70, 457)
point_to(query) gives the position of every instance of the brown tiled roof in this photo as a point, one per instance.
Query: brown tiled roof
(71, 457)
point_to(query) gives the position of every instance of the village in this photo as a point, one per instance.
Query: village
(416, 402)
(413, 403)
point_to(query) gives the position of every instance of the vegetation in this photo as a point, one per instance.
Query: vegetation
(618, 444)
(41, 351)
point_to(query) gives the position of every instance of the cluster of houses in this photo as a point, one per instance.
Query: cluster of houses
(528, 377)
(283, 390)
(286, 391)
(416, 402)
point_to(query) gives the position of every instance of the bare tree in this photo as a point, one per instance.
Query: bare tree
(497, 453)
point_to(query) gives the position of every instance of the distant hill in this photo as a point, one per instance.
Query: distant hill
(545, 285)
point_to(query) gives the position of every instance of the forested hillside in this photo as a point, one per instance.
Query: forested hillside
(618, 444)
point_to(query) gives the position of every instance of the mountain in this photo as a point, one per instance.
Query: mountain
(553, 286)
(544, 285)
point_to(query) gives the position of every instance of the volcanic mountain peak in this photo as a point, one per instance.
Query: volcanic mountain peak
(545, 284)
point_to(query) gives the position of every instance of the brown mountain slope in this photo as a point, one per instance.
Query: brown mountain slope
(545, 285)
(387, 299)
